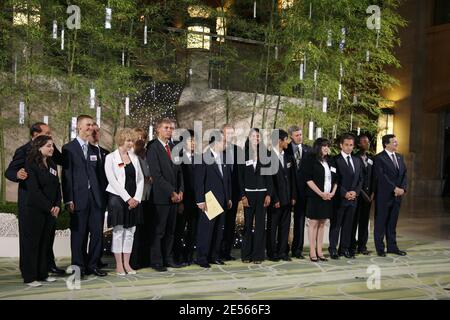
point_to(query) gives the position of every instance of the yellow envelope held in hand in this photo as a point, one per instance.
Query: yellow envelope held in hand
(213, 206)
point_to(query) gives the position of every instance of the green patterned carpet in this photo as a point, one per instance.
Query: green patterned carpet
(423, 274)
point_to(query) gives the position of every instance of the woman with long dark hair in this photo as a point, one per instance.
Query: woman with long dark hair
(256, 189)
(320, 176)
(43, 206)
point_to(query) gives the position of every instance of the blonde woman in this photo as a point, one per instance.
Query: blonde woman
(125, 187)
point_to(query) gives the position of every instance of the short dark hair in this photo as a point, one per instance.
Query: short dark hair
(317, 147)
(387, 139)
(36, 128)
(363, 135)
(347, 136)
(162, 121)
(191, 133)
(83, 116)
(278, 134)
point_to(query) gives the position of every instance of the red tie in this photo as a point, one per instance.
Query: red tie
(168, 151)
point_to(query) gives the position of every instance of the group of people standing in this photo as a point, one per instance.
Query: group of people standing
(154, 196)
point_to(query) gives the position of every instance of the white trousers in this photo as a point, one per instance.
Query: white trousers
(122, 239)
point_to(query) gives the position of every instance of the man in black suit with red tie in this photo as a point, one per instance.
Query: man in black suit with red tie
(16, 173)
(167, 193)
(350, 179)
(390, 172)
(214, 176)
(362, 214)
(299, 152)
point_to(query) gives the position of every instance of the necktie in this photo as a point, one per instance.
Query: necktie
(349, 163)
(85, 151)
(298, 157)
(394, 159)
(168, 151)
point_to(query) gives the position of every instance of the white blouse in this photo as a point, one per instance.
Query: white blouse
(327, 184)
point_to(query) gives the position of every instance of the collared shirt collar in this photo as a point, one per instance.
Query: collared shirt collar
(163, 143)
(389, 153)
(81, 141)
(346, 155)
(278, 153)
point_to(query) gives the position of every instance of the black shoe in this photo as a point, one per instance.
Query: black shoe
(299, 256)
(246, 261)
(333, 254)
(97, 272)
(398, 252)
(173, 265)
(286, 258)
(56, 270)
(205, 265)
(364, 252)
(159, 268)
(381, 253)
(101, 265)
(348, 254)
(257, 261)
(228, 258)
(313, 259)
(218, 261)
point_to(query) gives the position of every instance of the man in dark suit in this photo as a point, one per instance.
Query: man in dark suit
(349, 170)
(186, 226)
(390, 173)
(16, 173)
(94, 140)
(232, 155)
(212, 175)
(362, 214)
(167, 193)
(84, 198)
(284, 195)
(299, 151)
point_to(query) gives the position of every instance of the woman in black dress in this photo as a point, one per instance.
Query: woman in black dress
(125, 187)
(43, 206)
(320, 176)
(256, 189)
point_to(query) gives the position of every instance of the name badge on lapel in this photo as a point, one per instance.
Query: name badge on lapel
(369, 161)
(249, 163)
(93, 158)
(53, 172)
(289, 165)
(333, 169)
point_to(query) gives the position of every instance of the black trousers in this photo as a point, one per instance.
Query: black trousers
(361, 222)
(140, 254)
(229, 229)
(386, 217)
(278, 223)
(164, 222)
(299, 226)
(37, 231)
(253, 241)
(209, 237)
(341, 224)
(185, 234)
(82, 223)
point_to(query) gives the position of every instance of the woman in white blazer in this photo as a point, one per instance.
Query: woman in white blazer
(125, 187)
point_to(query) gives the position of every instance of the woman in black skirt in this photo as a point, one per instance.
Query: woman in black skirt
(320, 176)
(43, 206)
(256, 189)
(125, 187)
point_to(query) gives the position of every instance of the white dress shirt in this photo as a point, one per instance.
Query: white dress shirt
(279, 155)
(327, 183)
(345, 156)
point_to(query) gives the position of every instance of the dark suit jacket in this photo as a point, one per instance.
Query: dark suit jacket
(388, 177)
(284, 185)
(19, 160)
(167, 176)
(314, 171)
(208, 178)
(368, 181)
(250, 178)
(187, 169)
(299, 174)
(347, 180)
(77, 171)
(44, 190)
(102, 177)
(233, 162)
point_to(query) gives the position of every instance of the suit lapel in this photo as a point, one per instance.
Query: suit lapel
(79, 150)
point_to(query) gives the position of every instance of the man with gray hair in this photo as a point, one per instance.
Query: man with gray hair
(299, 152)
